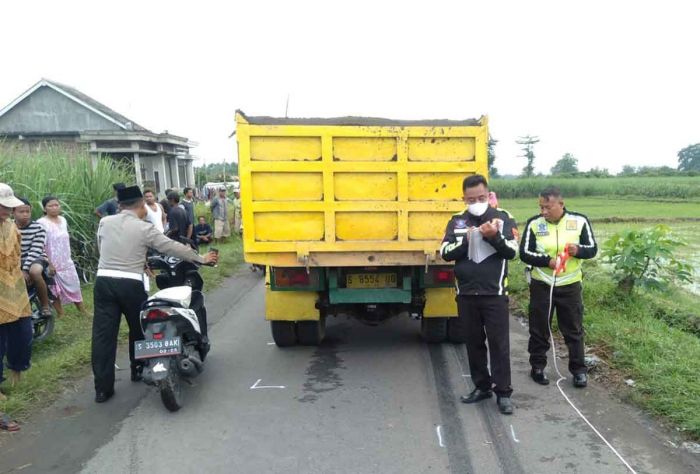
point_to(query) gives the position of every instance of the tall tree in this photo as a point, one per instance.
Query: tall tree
(493, 171)
(528, 142)
(567, 164)
(627, 170)
(689, 158)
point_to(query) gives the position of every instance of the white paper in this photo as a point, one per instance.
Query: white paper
(479, 248)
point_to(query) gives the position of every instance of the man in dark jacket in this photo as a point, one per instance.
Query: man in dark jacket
(481, 241)
(110, 206)
(178, 222)
(545, 236)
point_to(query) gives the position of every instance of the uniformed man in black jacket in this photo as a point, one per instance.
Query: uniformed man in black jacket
(482, 289)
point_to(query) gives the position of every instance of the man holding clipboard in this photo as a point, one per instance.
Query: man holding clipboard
(480, 241)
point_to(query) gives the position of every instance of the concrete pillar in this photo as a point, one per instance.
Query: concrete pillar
(93, 155)
(137, 165)
(190, 174)
(164, 177)
(176, 173)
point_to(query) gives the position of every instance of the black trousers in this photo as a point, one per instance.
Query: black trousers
(568, 303)
(114, 297)
(487, 319)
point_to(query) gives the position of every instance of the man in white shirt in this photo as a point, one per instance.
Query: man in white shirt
(155, 214)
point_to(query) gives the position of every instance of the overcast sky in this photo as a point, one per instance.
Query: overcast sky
(613, 82)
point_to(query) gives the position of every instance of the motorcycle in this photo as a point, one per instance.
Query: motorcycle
(173, 349)
(42, 324)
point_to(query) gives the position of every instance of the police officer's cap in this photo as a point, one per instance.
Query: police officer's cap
(129, 193)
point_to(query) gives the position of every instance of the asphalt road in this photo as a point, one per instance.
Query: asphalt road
(369, 400)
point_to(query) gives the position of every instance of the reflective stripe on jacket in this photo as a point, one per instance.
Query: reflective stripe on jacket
(543, 240)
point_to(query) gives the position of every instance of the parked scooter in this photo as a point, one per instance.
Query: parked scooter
(42, 324)
(173, 349)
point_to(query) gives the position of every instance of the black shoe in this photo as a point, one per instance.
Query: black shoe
(101, 397)
(505, 406)
(580, 380)
(137, 374)
(476, 396)
(539, 376)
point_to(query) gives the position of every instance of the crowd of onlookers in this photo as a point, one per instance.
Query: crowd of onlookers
(175, 214)
(37, 253)
(29, 251)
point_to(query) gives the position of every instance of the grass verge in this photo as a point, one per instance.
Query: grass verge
(65, 356)
(647, 338)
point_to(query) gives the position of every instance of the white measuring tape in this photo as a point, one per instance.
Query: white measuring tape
(561, 378)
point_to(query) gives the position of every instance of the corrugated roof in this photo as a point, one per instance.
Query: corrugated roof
(128, 123)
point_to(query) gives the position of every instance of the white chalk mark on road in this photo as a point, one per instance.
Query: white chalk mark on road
(256, 386)
(270, 343)
(438, 430)
(466, 375)
(512, 431)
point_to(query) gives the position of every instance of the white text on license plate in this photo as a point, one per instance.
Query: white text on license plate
(156, 348)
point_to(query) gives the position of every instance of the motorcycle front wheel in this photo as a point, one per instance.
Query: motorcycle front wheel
(42, 326)
(171, 388)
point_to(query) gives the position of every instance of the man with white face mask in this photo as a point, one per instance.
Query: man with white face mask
(482, 290)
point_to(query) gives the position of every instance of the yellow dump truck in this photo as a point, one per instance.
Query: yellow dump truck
(348, 214)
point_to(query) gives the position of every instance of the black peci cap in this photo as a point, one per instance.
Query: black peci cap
(129, 193)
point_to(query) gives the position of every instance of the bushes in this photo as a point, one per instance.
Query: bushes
(70, 176)
(645, 258)
(665, 188)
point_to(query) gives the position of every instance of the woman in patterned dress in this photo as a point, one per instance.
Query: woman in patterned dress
(67, 283)
(15, 312)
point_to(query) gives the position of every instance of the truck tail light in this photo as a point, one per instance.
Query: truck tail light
(293, 278)
(442, 276)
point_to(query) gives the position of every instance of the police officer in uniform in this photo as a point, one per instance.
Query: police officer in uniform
(123, 241)
(544, 237)
(482, 290)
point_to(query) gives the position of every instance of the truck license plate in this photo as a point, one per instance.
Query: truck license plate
(371, 280)
(156, 348)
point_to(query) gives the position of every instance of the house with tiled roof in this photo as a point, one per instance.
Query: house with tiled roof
(57, 114)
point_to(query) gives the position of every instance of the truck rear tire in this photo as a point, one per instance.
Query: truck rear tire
(457, 330)
(433, 330)
(311, 333)
(284, 333)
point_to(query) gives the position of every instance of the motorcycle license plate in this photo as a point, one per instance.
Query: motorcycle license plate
(371, 280)
(157, 348)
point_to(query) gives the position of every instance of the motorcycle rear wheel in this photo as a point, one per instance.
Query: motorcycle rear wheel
(171, 389)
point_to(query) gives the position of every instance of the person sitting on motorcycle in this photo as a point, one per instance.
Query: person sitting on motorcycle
(34, 259)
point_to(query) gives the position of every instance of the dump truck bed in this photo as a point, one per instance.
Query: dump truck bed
(353, 191)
